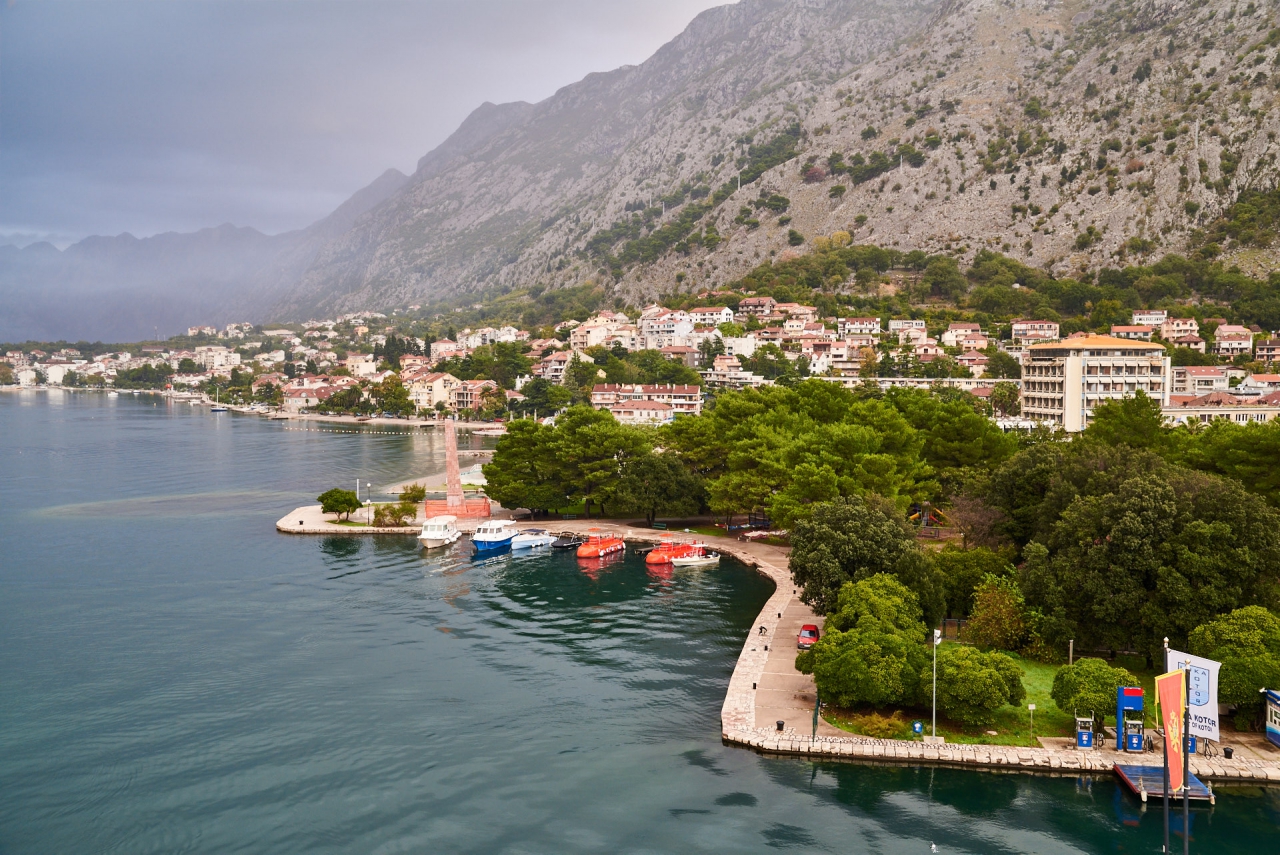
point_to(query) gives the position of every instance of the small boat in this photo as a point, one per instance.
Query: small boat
(667, 550)
(490, 432)
(492, 536)
(532, 538)
(698, 558)
(600, 545)
(439, 531)
(568, 540)
(217, 407)
(113, 394)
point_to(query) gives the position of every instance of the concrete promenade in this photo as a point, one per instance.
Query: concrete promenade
(765, 687)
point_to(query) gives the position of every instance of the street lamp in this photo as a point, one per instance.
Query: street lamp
(368, 497)
(937, 639)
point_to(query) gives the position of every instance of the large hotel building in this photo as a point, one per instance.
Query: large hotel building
(1062, 381)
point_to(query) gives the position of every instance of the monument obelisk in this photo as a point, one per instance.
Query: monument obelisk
(453, 477)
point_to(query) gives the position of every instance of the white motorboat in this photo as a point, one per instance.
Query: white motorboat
(697, 559)
(531, 538)
(113, 394)
(439, 531)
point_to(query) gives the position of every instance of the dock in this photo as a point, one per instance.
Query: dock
(1147, 782)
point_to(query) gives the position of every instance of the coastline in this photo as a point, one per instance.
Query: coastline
(765, 687)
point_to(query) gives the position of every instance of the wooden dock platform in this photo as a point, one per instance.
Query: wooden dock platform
(1147, 782)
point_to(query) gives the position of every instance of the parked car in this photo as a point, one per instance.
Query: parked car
(808, 635)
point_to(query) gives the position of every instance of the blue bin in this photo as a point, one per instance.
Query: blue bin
(1192, 743)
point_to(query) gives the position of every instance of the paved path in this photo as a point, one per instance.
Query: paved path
(766, 688)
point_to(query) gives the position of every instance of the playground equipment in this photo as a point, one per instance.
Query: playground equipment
(1130, 729)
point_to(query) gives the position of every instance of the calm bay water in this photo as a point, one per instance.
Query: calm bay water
(175, 676)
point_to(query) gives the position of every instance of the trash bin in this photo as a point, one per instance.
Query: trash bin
(1228, 751)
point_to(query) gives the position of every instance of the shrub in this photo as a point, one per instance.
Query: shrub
(999, 615)
(1247, 643)
(394, 516)
(794, 237)
(1089, 684)
(972, 685)
(413, 493)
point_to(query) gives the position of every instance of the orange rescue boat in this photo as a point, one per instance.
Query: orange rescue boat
(666, 550)
(600, 545)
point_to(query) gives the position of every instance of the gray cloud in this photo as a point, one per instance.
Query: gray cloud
(157, 116)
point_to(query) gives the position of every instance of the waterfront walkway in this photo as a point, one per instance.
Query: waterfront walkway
(766, 688)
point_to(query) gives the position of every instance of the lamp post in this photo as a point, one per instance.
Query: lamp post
(368, 497)
(937, 639)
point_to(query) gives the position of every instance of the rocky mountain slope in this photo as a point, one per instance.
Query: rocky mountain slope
(1070, 134)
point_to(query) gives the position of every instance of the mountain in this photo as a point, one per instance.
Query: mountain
(124, 288)
(1069, 134)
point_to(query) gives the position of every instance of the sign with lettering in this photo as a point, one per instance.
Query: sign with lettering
(1273, 716)
(1202, 675)
(1170, 697)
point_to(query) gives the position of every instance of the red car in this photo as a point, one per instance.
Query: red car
(808, 635)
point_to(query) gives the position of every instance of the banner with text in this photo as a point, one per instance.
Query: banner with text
(1170, 697)
(1202, 696)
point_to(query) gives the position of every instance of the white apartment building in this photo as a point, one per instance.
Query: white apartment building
(897, 325)
(1063, 381)
(683, 399)
(857, 326)
(1136, 332)
(1150, 317)
(1231, 340)
(1029, 331)
(711, 316)
(758, 306)
(214, 357)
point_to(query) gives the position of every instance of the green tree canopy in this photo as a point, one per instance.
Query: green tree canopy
(1135, 421)
(999, 618)
(339, 501)
(1247, 643)
(653, 484)
(962, 570)
(525, 472)
(972, 685)
(1089, 685)
(847, 540)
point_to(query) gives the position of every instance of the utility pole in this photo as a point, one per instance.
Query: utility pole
(1071, 651)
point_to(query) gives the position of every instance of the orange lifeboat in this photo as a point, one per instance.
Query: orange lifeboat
(667, 550)
(600, 545)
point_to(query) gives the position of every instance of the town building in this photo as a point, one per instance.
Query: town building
(1195, 380)
(956, 333)
(846, 327)
(711, 316)
(727, 372)
(1026, 332)
(1062, 382)
(683, 399)
(758, 306)
(1232, 340)
(1259, 384)
(1191, 342)
(1136, 332)
(1186, 409)
(641, 412)
(1268, 351)
(469, 394)
(1174, 328)
(1149, 317)
(428, 388)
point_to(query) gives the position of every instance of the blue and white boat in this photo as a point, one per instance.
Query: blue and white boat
(531, 538)
(492, 536)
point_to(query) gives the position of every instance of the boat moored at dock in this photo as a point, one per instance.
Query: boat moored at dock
(667, 550)
(698, 557)
(532, 538)
(600, 545)
(492, 536)
(439, 531)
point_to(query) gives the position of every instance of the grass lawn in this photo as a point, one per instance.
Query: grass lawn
(1012, 724)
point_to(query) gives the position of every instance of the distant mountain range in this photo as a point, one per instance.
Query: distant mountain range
(1069, 134)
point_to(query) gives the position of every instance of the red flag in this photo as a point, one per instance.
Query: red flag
(1171, 696)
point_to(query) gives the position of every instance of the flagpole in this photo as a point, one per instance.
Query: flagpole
(1186, 759)
(1166, 790)
(1166, 755)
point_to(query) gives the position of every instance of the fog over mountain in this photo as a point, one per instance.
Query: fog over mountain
(1069, 134)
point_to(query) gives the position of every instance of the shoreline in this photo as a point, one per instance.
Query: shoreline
(754, 689)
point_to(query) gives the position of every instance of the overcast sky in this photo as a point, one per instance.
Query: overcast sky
(172, 116)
